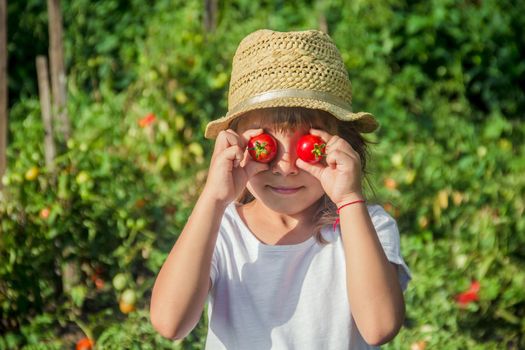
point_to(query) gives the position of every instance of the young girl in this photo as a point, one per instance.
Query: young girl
(288, 253)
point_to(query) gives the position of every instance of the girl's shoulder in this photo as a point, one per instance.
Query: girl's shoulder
(375, 209)
(231, 215)
(231, 227)
(381, 218)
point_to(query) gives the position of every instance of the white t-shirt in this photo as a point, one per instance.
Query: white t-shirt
(286, 296)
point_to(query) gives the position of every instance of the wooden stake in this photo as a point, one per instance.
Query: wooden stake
(58, 71)
(321, 9)
(323, 24)
(3, 89)
(45, 106)
(210, 15)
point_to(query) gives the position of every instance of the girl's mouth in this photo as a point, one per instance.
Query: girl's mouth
(285, 190)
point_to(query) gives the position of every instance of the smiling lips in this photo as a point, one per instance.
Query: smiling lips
(285, 190)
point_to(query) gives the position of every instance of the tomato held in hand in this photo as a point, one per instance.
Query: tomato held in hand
(311, 148)
(262, 148)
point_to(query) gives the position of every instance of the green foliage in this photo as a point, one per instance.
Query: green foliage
(443, 77)
(137, 333)
(99, 215)
(102, 39)
(100, 42)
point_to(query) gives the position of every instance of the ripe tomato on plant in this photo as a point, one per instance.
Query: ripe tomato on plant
(44, 213)
(262, 148)
(99, 283)
(84, 344)
(32, 173)
(311, 148)
(126, 308)
(127, 301)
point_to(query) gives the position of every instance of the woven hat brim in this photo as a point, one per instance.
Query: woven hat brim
(364, 121)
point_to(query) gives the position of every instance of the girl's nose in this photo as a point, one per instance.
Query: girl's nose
(284, 162)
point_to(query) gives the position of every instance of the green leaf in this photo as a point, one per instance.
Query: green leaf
(176, 155)
(78, 295)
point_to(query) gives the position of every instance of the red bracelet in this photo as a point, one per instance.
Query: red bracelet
(344, 205)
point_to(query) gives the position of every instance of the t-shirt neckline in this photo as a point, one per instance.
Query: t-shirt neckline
(253, 240)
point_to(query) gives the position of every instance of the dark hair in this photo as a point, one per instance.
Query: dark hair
(285, 118)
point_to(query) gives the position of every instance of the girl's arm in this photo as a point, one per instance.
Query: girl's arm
(183, 282)
(374, 292)
(373, 288)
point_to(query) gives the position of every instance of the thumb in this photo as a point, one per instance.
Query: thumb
(314, 169)
(252, 167)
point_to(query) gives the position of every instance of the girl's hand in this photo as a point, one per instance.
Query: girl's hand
(231, 166)
(341, 176)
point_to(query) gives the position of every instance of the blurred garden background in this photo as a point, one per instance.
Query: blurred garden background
(82, 239)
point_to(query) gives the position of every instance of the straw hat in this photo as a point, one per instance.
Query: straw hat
(290, 69)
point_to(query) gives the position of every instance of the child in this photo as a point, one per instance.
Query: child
(288, 252)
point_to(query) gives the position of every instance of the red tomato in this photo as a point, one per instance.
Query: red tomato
(84, 344)
(44, 213)
(311, 148)
(147, 120)
(469, 296)
(99, 283)
(262, 148)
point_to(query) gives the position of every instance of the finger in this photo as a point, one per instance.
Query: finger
(248, 134)
(246, 158)
(225, 139)
(339, 159)
(315, 170)
(334, 142)
(251, 166)
(234, 139)
(233, 154)
(338, 143)
(221, 143)
(326, 136)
